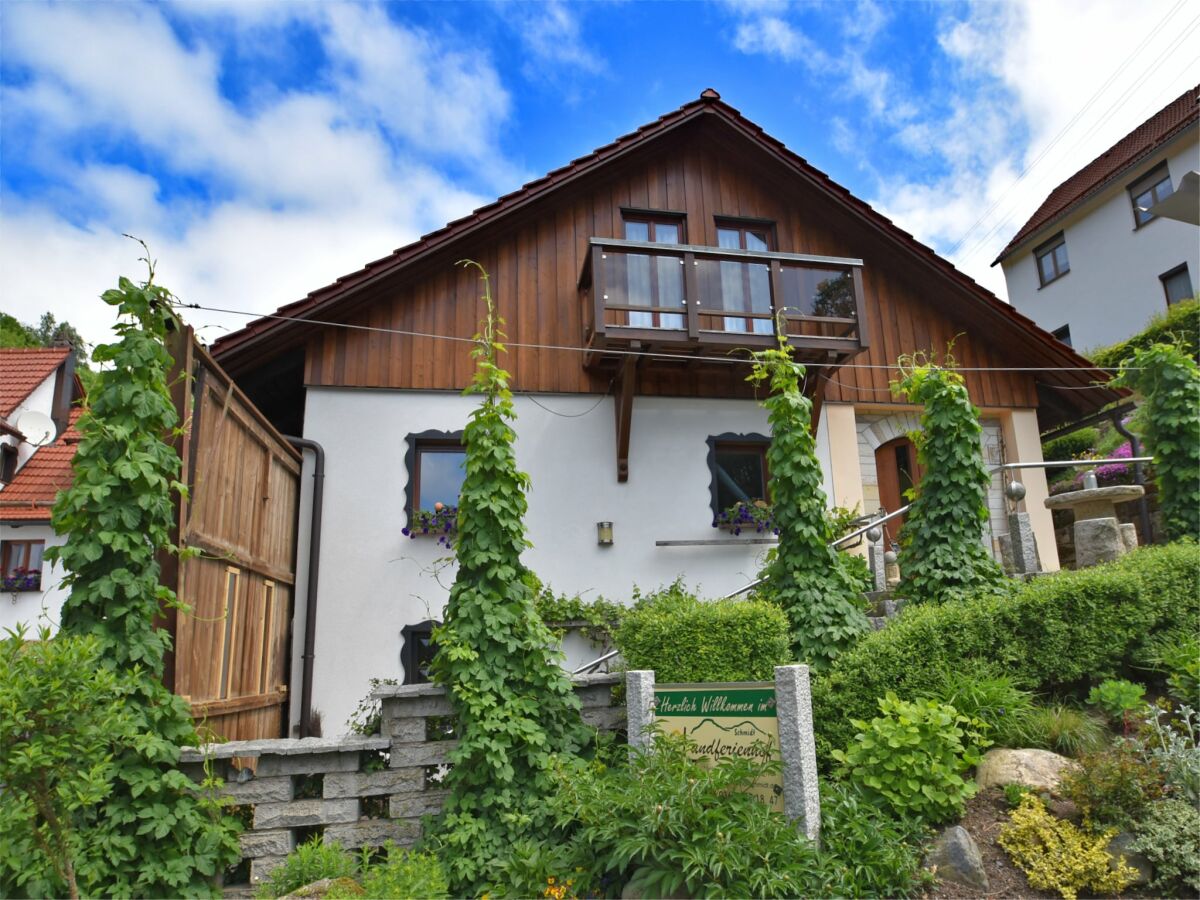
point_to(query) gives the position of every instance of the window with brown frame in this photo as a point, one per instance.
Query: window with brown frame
(1151, 188)
(746, 286)
(1177, 284)
(8, 463)
(21, 565)
(654, 281)
(1052, 261)
(435, 464)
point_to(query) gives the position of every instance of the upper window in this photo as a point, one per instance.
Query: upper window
(746, 286)
(435, 464)
(1052, 259)
(1177, 284)
(8, 463)
(654, 281)
(21, 565)
(1147, 191)
(738, 464)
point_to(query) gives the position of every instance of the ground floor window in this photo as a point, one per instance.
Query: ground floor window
(21, 564)
(738, 466)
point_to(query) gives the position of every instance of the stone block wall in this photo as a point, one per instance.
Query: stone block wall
(358, 791)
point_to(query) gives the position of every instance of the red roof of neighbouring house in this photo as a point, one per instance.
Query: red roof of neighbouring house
(1144, 140)
(29, 496)
(22, 369)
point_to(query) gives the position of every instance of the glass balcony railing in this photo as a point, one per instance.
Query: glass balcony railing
(668, 293)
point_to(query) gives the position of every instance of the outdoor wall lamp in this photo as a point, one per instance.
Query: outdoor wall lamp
(604, 534)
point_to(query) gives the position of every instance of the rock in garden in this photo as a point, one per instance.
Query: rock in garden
(1064, 809)
(318, 889)
(1119, 847)
(955, 857)
(1037, 769)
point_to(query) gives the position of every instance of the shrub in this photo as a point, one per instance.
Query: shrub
(684, 639)
(980, 691)
(1169, 836)
(1172, 746)
(1114, 785)
(1179, 325)
(1169, 382)
(1058, 727)
(1177, 655)
(1056, 631)
(1071, 446)
(309, 862)
(942, 557)
(1015, 793)
(808, 578)
(1117, 698)
(1057, 856)
(406, 875)
(913, 758)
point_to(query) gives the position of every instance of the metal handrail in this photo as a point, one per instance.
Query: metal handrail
(1054, 464)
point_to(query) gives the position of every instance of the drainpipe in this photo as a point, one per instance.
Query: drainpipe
(314, 571)
(1139, 476)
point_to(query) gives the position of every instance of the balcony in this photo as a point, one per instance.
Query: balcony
(682, 302)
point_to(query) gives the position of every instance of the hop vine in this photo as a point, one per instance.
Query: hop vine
(942, 553)
(807, 577)
(515, 704)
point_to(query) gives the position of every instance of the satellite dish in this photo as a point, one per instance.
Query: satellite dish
(39, 429)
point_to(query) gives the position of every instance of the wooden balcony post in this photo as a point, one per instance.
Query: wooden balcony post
(691, 296)
(860, 305)
(777, 295)
(598, 288)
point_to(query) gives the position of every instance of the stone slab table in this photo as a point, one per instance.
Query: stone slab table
(1098, 535)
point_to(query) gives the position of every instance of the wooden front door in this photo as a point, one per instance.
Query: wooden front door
(897, 471)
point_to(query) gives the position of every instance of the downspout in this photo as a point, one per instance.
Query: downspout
(1139, 476)
(314, 571)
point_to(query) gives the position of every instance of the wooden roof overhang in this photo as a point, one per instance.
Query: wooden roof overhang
(1068, 384)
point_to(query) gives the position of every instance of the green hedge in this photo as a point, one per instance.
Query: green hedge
(685, 639)
(1052, 632)
(1179, 325)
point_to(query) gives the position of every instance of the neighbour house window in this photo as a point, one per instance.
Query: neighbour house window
(8, 463)
(654, 281)
(435, 463)
(1148, 190)
(1052, 259)
(21, 564)
(417, 650)
(738, 466)
(746, 286)
(1177, 284)
(1063, 334)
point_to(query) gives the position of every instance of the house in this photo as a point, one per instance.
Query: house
(1092, 264)
(632, 281)
(38, 390)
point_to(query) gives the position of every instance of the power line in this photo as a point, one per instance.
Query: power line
(728, 359)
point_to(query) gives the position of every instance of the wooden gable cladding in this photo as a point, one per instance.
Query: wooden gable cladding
(535, 260)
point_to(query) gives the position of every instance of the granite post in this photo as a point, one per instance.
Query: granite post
(878, 564)
(793, 708)
(639, 707)
(1024, 546)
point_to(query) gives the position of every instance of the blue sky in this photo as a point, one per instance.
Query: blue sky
(265, 148)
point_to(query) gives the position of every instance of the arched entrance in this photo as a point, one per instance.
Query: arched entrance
(897, 470)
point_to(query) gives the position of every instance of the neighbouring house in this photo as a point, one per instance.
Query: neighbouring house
(38, 390)
(1092, 264)
(632, 280)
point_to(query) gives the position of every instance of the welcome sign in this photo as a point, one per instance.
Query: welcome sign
(723, 720)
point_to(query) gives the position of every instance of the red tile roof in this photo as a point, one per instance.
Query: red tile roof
(248, 346)
(29, 496)
(1144, 140)
(22, 370)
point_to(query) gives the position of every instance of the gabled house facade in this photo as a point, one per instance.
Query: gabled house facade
(632, 281)
(1092, 264)
(38, 392)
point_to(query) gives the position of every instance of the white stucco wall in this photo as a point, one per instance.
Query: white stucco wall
(1113, 287)
(40, 400)
(33, 608)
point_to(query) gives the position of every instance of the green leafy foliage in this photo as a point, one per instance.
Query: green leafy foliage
(1114, 785)
(309, 862)
(1117, 698)
(1172, 743)
(942, 557)
(1059, 727)
(158, 836)
(1168, 380)
(1179, 325)
(685, 639)
(806, 576)
(1057, 856)
(1169, 836)
(515, 705)
(1055, 631)
(913, 758)
(1071, 446)
(405, 875)
(980, 691)
(1177, 655)
(600, 617)
(62, 714)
